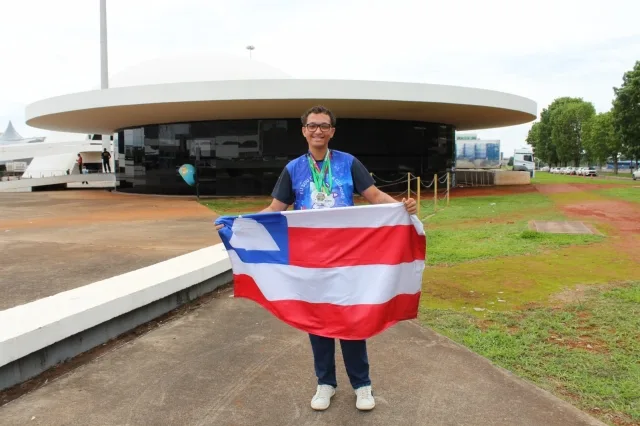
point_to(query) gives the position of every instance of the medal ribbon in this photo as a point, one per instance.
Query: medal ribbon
(319, 175)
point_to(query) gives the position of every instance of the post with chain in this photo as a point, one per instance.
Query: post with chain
(418, 196)
(448, 186)
(435, 192)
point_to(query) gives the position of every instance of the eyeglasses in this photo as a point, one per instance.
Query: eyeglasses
(312, 127)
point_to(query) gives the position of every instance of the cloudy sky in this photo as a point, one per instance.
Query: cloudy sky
(540, 50)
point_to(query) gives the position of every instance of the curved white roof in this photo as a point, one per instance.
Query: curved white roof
(104, 111)
(218, 86)
(194, 67)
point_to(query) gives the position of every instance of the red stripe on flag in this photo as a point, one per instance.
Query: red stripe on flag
(334, 247)
(355, 322)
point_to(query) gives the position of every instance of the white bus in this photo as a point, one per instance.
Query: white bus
(523, 161)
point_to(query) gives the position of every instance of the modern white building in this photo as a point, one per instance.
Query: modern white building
(35, 158)
(238, 122)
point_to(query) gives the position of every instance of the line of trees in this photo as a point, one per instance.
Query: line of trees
(570, 131)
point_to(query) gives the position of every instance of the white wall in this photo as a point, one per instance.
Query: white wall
(91, 157)
(50, 165)
(31, 150)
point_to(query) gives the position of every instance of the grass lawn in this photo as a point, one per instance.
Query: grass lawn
(451, 246)
(493, 286)
(628, 193)
(496, 226)
(545, 177)
(585, 351)
(485, 208)
(235, 206)
(621, 173)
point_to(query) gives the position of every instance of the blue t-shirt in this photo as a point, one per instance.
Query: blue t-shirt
(296, 186)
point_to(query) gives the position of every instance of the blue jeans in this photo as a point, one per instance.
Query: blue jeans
(355, 357)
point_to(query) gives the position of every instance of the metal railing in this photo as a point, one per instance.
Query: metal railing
(475, 177)
(439, 195)
(44, 173)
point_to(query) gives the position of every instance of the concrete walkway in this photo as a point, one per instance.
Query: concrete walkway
(229, 362)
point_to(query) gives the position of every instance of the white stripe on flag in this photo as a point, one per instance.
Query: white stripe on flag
(352, 285)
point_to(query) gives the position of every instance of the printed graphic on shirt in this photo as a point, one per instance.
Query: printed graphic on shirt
(306, 194)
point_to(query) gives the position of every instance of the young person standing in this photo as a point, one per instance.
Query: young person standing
(324, 178)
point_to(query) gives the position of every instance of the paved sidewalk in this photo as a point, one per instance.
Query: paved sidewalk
(231, 363)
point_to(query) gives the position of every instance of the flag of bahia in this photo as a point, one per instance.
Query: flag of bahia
(347, 273)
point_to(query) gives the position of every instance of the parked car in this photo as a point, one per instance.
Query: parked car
(636, 175)
(590, 171)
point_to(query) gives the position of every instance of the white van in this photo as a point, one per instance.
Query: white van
(523, 161)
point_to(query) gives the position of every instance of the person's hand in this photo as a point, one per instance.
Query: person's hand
(411, 205)
(219, 227)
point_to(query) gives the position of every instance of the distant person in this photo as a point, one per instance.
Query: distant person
(79, 161)
(106, 156)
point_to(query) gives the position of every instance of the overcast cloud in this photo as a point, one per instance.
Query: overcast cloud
(540, 50)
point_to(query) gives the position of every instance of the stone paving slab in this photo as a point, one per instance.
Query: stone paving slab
(560, 227)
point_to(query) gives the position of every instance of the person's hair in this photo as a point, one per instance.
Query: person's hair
(318, 109)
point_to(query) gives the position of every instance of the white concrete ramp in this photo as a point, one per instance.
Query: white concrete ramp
(106, 180)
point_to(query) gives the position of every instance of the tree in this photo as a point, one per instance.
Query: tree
(626, 112)
(533, 139)
(540, 138)
(567, 123)
(601, 140)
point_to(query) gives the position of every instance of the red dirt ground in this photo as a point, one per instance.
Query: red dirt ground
(484, 191)
(623, 216)
(618, 215)
(560, 188)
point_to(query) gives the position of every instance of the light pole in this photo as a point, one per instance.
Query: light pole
(250, 48)
(104, 61)
(104, 76)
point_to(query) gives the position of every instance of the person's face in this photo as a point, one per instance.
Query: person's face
(314, 133)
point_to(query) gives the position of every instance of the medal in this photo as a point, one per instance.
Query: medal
(324, 189)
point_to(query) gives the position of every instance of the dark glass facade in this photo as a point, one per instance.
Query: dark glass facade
(245, 157)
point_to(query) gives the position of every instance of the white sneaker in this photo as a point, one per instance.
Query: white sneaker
(365, 401)
(322, 398)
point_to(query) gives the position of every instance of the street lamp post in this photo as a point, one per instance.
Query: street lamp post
(250, 48)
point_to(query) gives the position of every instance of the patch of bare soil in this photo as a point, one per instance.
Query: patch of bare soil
(572, 295)
(485, 191)
(621, 215)
(561, 188)
(584, 342)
